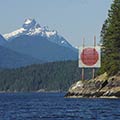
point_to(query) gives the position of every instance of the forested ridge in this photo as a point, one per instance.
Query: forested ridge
(110, 39)
(55, 76)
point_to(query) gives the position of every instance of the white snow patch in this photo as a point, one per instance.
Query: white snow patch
(28, 21)
(50, 33)
(62, 41)
(35, 31)
(14, 33)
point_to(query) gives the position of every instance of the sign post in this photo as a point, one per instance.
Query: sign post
(93, 72)
(83, 67)
(89, 57)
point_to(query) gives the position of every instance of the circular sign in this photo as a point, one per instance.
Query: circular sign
(89, 56)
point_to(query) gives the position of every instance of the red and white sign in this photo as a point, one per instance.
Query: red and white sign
(89, 57)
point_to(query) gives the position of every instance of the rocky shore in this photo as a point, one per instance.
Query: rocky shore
(102, 87)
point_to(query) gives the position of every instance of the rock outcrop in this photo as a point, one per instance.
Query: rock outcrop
(102, 86)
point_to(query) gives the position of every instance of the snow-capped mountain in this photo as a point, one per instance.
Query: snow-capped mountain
(32, 28)
(40, 43)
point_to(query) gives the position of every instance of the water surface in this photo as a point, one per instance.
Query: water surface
(53, 106)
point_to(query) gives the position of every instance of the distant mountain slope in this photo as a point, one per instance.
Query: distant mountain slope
(40, 42)
(32, 28)
(41, 48)
(12, 59)
(2, 40)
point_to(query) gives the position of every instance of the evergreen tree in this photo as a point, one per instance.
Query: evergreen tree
(110, 38)
(53, 76)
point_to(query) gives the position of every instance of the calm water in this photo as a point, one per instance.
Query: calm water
(53, 106)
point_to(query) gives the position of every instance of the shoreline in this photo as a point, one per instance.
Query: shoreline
(101, 97)
(33, 92)
(74, 96)
(99, 87)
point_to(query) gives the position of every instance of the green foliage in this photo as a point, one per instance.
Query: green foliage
(110, 38)
(56, 76)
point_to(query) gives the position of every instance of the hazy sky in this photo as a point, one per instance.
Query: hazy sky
(73, 19)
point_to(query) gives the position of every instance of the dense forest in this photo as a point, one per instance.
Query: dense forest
(56, 76)
(110, 39)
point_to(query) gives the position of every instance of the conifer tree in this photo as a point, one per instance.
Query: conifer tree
(110, 38)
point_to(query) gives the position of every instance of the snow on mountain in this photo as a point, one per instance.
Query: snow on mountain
(32, 28)
(14, 34)
(28, 21)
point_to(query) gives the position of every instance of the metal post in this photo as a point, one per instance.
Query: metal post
(93, 71)
(83, 74)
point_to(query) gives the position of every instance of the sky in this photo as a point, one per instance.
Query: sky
(73, 19)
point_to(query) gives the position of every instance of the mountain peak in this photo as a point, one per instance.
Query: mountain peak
(31, 28)
(29, 23)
